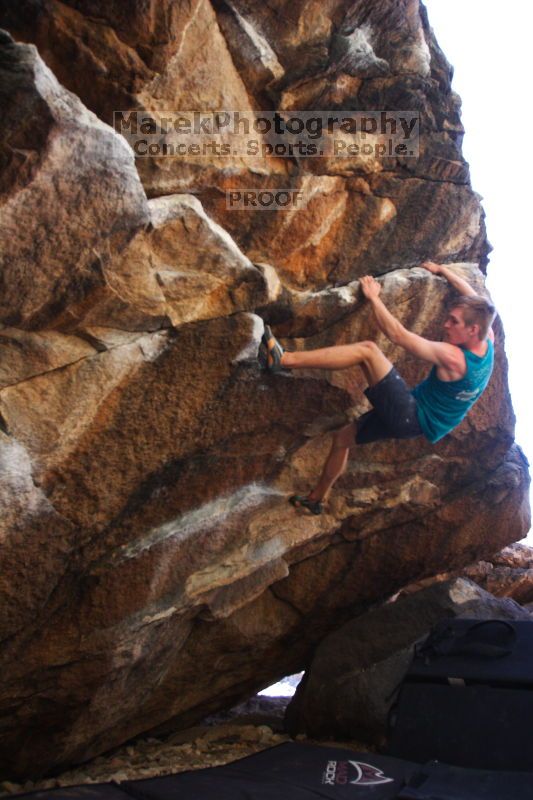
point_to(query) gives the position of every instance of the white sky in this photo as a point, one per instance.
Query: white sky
(489, 43)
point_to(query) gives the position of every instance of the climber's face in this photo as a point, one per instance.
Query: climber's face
(457, 331)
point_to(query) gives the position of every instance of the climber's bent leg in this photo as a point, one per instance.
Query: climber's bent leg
(394, 416)
(336, 462)
(365, 354)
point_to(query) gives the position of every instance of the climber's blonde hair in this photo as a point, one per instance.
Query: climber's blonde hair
(477, 310)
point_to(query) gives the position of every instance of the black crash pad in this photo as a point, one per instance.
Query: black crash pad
(290, 771)
(298, 771)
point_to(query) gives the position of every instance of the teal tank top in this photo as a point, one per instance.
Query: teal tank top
(441, 405)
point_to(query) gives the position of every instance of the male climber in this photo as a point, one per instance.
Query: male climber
(462, 365)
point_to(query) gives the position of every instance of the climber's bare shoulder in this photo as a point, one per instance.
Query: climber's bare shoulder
(445, 356)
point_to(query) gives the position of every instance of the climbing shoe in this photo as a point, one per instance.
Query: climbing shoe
(300, 501)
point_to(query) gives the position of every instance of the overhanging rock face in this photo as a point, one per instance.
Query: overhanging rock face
(151, 568)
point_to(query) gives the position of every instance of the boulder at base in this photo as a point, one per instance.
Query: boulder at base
(350, 686)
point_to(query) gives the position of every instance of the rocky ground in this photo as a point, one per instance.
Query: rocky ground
(246, 729)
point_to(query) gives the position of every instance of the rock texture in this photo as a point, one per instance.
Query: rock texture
(351, 683)
(507, 574)
(151, 569)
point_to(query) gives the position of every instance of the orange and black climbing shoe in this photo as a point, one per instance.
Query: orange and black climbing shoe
(270, 351)
(300, 501)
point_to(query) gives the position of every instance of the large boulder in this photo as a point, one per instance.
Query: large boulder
(151, 568)
(352, 682)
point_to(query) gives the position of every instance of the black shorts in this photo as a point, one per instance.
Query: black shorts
(394, 414)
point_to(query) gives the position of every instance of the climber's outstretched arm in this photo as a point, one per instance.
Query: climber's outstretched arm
(458, 283)
(442, 354)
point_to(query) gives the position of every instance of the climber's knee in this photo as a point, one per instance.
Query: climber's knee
(344, 437)
(375, 364)
(371, 350)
